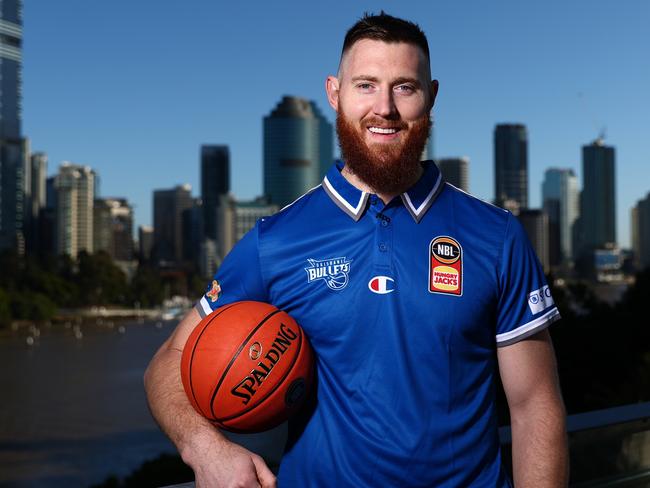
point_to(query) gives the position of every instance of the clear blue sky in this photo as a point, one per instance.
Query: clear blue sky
(133, 88)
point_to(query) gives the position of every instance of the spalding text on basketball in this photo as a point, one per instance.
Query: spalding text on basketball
(247, 387)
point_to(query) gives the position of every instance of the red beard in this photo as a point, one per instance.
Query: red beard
(386, 168)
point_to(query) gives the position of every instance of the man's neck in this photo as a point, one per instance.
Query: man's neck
(359, 184)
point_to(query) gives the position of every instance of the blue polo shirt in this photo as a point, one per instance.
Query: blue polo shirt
(404, 304)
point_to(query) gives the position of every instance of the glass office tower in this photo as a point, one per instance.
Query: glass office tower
(215, 183)
(598, 209)
(560, 199)
(511, 164)
(297, 149)
(12, 159)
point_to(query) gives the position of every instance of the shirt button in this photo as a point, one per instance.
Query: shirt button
(383, 247)
(384, 223)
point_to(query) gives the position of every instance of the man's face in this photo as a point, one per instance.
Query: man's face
(383, 97)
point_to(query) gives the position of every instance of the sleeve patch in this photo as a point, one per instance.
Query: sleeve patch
(539, 300)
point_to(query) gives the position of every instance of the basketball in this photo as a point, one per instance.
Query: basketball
(247, 367)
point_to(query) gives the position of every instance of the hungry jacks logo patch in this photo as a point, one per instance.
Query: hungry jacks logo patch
(445, 266)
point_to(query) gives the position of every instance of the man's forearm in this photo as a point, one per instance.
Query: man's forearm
(540, 456)
(187, 429)
(215, 460)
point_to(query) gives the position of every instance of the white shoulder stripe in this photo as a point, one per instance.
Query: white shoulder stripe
(475, 197)
(303, 195)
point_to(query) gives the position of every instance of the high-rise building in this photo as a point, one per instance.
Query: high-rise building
(113, 228)
(248, 212)
(215, 182)
(634, 236)
(560, 201)
(47, 241)
(75, 195)
(641, 232)
(236, 218)
(455, 171)
(226, 222)
(297, 149)
(598, 200)
(168, 208)
(12, 145)
(145, 242)
(511, 164)
(535, 223)
(35, 196)
(39, 176)
(192, 231)
(208, 258)
(430, 148)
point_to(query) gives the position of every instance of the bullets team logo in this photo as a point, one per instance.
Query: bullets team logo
(446, 266)
(334, 272)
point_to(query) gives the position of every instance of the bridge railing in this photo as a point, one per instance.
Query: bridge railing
(609, 448)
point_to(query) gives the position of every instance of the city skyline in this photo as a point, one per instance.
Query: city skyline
(117, 103)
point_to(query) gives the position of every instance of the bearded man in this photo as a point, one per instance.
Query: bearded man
(436, 293)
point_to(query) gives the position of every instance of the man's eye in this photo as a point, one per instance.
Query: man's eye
(364, 86)
(405, 88)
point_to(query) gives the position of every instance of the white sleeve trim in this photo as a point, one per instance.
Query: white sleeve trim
(205, 306)
(528, 328)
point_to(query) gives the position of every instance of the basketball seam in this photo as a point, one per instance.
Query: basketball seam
(277, 385)
(196, 343)
(232, 360)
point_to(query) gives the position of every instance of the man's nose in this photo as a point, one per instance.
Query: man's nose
(385, 104)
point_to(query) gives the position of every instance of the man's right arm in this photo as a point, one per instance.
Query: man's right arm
(216, 461)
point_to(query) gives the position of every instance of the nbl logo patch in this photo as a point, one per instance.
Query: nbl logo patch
(445, 266)
(334, 272)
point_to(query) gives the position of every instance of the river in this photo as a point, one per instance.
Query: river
(72, 405)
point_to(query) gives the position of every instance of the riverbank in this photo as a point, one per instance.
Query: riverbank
(111, 313)
(100, 316)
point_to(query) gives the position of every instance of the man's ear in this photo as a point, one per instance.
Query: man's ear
(332, 89)
(433, 92)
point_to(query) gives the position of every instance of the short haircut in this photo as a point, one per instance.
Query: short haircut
(386, 28)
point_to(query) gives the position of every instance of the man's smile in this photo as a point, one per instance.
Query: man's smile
(383, 130)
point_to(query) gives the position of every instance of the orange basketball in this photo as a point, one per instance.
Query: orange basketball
(247, 367)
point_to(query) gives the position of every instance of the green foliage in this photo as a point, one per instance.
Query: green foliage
(5, 308)
(146, 288)
(100, 281)
(33, 289)
(197, 285)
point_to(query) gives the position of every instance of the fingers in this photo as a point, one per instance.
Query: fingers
(264, 474)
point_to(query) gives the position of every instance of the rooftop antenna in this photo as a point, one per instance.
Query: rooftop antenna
(601, 129)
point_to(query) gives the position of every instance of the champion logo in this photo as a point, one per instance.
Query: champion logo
(381, 285)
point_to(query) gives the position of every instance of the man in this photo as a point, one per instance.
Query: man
(411, 292)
